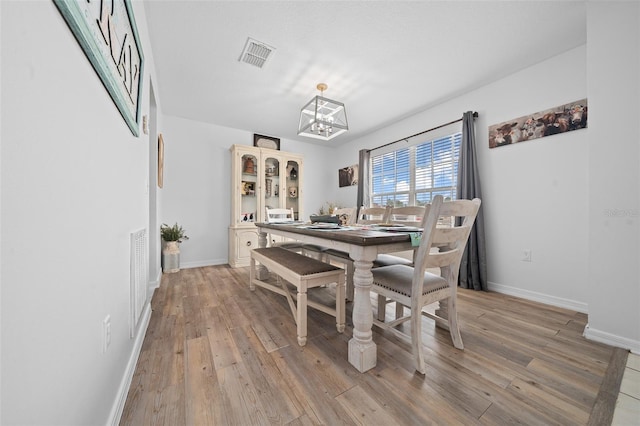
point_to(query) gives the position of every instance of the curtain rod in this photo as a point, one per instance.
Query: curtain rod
(475, 115)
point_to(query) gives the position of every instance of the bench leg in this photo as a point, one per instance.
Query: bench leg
(340, 305)
(292, 305)
(301, 320)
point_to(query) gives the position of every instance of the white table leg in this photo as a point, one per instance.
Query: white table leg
(362, 349)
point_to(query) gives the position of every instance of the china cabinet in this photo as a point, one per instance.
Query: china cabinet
(260, 178)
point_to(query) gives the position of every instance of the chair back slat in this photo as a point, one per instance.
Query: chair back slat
(279, 215)
(407, 215)
(370, 215)
(442, 259)
(456, 209)
(448, 235)
(459, 208)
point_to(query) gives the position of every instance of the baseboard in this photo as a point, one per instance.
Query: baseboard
(121, 397)
(539, 297)
(154, 284)
(589, 333)
(612, 339)
(201, 263)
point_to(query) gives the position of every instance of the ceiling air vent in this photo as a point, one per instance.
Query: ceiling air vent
(256, 53)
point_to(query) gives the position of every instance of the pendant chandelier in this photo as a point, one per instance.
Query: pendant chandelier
(322, 118)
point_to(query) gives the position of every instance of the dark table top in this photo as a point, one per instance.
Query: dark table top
(362, 237)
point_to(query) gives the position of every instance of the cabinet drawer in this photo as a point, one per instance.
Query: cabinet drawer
(243, 241)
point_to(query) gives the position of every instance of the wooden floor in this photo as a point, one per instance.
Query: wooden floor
(217, 354)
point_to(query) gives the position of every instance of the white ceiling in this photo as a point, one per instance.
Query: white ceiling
(385, 60)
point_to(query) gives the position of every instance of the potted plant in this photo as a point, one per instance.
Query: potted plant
(172, 236)
(331, 207)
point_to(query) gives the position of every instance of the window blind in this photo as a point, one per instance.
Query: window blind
(414, 175)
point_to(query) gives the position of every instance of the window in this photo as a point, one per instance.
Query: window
(415, 174)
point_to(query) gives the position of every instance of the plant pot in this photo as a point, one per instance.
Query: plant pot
(171, 256)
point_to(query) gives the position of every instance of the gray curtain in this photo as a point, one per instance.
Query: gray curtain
(473, 267)
(363, 179)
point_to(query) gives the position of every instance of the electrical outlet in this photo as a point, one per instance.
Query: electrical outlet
(526, 255)
(106, 333)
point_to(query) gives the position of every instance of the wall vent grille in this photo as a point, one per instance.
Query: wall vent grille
(138, 277)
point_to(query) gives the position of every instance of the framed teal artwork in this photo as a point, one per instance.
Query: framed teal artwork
(107, 33)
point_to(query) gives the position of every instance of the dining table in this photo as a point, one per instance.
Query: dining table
(363, 244)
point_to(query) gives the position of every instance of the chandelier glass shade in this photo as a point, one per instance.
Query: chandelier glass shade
(323, 118)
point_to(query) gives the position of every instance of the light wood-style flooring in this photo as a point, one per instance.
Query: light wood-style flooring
(216, 353)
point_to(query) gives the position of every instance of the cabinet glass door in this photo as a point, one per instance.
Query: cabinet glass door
(292, 175)
(272, 184)
(248, 189)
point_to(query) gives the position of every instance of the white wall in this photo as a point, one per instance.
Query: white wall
(614, 173)
(74, 182)
(536, 191)
(518, 180)
(196, 187)
(197, 184)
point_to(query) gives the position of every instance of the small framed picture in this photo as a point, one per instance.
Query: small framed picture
(262, 141)
(348, 176)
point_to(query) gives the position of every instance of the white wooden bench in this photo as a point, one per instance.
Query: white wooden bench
(304, 273)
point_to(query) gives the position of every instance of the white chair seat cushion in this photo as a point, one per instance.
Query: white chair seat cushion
(389, 259)
(381, 260)
(398, 278)
(314, 247)
(337, 253)
(287, 244)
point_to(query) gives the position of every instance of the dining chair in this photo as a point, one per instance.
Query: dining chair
(366, 216)
(347, 217)
(371, 215)
(406, 215)
(400, 215)
(416, 288)
(282, 216)
(279, 215)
